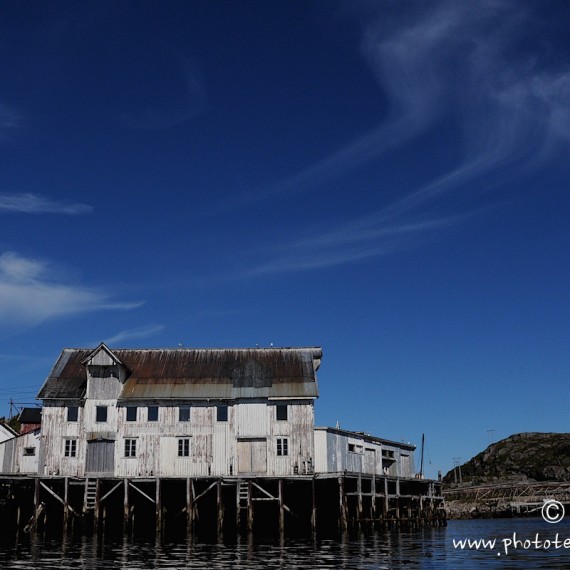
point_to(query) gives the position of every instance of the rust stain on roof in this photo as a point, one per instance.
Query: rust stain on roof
(195, 373)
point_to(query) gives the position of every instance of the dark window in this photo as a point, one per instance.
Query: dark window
(184, 414)
(130, 447)
(184, 447)
(282, 446)
(222, 413)
(29, 451)
(72, 413)
(132, 413)
(281, 411)
(152, 413)
(70, 448)
(101, 414)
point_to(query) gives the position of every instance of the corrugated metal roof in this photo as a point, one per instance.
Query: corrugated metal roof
(196, 373)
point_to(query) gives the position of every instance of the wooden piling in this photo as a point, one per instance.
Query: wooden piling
(158, 508)
(126, 513)
(65, 504)
(343, 520)
(220, 508)
(281, 507)
(314, 507)
(249, 506)
(189, 506)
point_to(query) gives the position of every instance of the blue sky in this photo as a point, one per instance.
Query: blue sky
(387, 180)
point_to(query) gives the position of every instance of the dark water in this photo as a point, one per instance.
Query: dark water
(428, 548)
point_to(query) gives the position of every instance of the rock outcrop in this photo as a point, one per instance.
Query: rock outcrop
(520, 457)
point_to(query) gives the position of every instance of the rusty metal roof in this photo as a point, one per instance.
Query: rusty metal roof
(205, 373)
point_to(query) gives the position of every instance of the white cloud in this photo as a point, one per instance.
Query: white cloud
(34, 204)
(439, 60)
(133, 334)
(29, 295)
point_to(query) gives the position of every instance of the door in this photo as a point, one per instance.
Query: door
(369, 460)
(100, 456)
(252, 455)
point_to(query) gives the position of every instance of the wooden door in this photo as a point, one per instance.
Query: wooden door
(100, 456)
(369, 460)
(252, 455)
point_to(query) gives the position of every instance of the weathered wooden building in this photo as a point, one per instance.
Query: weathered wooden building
(180, 413)
(173, 431)
(338, 451)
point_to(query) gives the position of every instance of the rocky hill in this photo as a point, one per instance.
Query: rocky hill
(520, 457)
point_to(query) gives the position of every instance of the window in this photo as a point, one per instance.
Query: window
(70, 448)
(130, 447)
(282, 446)
(184, 414)
(222, 413)
(152, 413)
(101, 414)
(281, 411)
(29, 451)
(72, 413)
(184, 447)
(353, 448)
(131, 413)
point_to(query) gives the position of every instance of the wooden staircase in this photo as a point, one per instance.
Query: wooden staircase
(90, 497)
(242, 494)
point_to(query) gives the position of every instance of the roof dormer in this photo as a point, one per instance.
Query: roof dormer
(105, 373)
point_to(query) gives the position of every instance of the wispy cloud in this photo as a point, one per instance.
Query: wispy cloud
(133, 334)
(36, 204)
(30, 295)
(439, 61)
(348, 243)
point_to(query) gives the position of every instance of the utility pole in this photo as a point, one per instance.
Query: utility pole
(456, 468)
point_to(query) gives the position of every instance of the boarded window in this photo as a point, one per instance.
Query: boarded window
(222, 413)
(132, 413)
(101, 414)
(152, 413)
(281, 411)
(72, 413)
(184, 414)
(29, 451)
(130, 447)
(353, 448)
(184, 447)
(282, 446)
(70, 448)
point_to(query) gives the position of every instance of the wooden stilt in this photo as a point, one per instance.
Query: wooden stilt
(220, 504)
(189, 506)
(158, 508)
(359, 504)
(342, 505)
(126, 513)
(65, 504)
(97, 506)
(281, 507)
(373, 499)
(314, 510)
(36, 504)
(249, 507)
